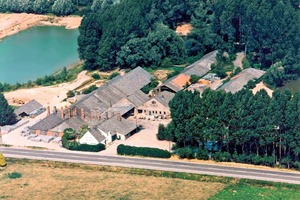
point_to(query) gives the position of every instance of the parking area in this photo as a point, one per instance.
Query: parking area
(21, 137)
(144, 138)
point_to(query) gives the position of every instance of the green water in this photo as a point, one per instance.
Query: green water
(293, 86)
(36, 52)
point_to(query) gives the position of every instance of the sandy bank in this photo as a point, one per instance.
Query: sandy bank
(13, 23)
(47, 96)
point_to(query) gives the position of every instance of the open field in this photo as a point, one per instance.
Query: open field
(52, 180)
(57, 180)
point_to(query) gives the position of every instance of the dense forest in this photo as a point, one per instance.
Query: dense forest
(132, 33)
(242, 127)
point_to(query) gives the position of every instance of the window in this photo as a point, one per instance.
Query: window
(153, 102)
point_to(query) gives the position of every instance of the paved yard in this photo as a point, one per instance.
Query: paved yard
(144, 138)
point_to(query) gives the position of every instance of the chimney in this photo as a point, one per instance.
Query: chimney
(91, 114)
(54, 109)
(48, 110)
(98, 115)
(82, 114)
(61, 112)
(75, 112)
(119, 117)
(112, 114)
(69, 112)
(106, 115)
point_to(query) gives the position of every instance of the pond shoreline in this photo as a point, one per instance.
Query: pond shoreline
(12, 23)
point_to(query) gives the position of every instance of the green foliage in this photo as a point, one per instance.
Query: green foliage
(202, 154)
(14, 175)
(227, 125)
(96, 76)
(275, 75)
(153, 84)
(194, 79)
(63, 7)
(246, 63)
(2, 160)
(69, 142)
(172, 74)
(90, 89)
(70, 93)
(185, 153)
(142, 151)
(161, 134)
(113, 75)
(7, 115)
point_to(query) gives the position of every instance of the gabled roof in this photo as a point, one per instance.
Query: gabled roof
(177, 83)
(97, 134)
(48, 122)
(138, 98)
(240, 80)
(164, 98)
(74, 122)
(122, 107)
(114, 125)
(29, 107)
(199, 68)
(202, 66)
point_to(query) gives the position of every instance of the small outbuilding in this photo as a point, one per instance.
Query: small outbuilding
(30, 109)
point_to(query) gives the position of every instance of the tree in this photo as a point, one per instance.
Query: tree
(275, 75)
(7, 115)
(194, 79)
(63, 7)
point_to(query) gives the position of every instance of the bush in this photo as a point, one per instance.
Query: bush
(202, 154)
(2, 160)
(185, 153)
(96, 76)
(87, 147)
(222, 156)
(113, 75)
(296, 165)
(142, 151)
(194, 79)
(162, 132)
(70, 93)
(14, 175)
(90, 89)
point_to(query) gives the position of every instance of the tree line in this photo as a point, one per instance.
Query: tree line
(242, 127)
(57, 7)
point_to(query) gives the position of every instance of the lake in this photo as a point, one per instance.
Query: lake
(35, 52)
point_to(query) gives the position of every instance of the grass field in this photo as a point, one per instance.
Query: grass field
(28, 179)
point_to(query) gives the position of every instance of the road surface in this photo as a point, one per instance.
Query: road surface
(157, 164)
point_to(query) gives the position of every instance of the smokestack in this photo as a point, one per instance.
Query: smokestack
(82, 114)
(61, 112)
(48, 110)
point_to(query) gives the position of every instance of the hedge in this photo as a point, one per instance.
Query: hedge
(87, 147)
(142, 151)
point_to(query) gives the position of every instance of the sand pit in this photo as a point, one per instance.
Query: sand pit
(184, 29)
(13, 23)
(262, 86)
(47, 96)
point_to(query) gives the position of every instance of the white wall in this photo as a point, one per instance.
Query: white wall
(88, 138)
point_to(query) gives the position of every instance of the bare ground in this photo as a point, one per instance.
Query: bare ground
(48, 181)
(16, 22)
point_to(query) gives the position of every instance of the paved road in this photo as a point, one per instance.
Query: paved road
(158, 164)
